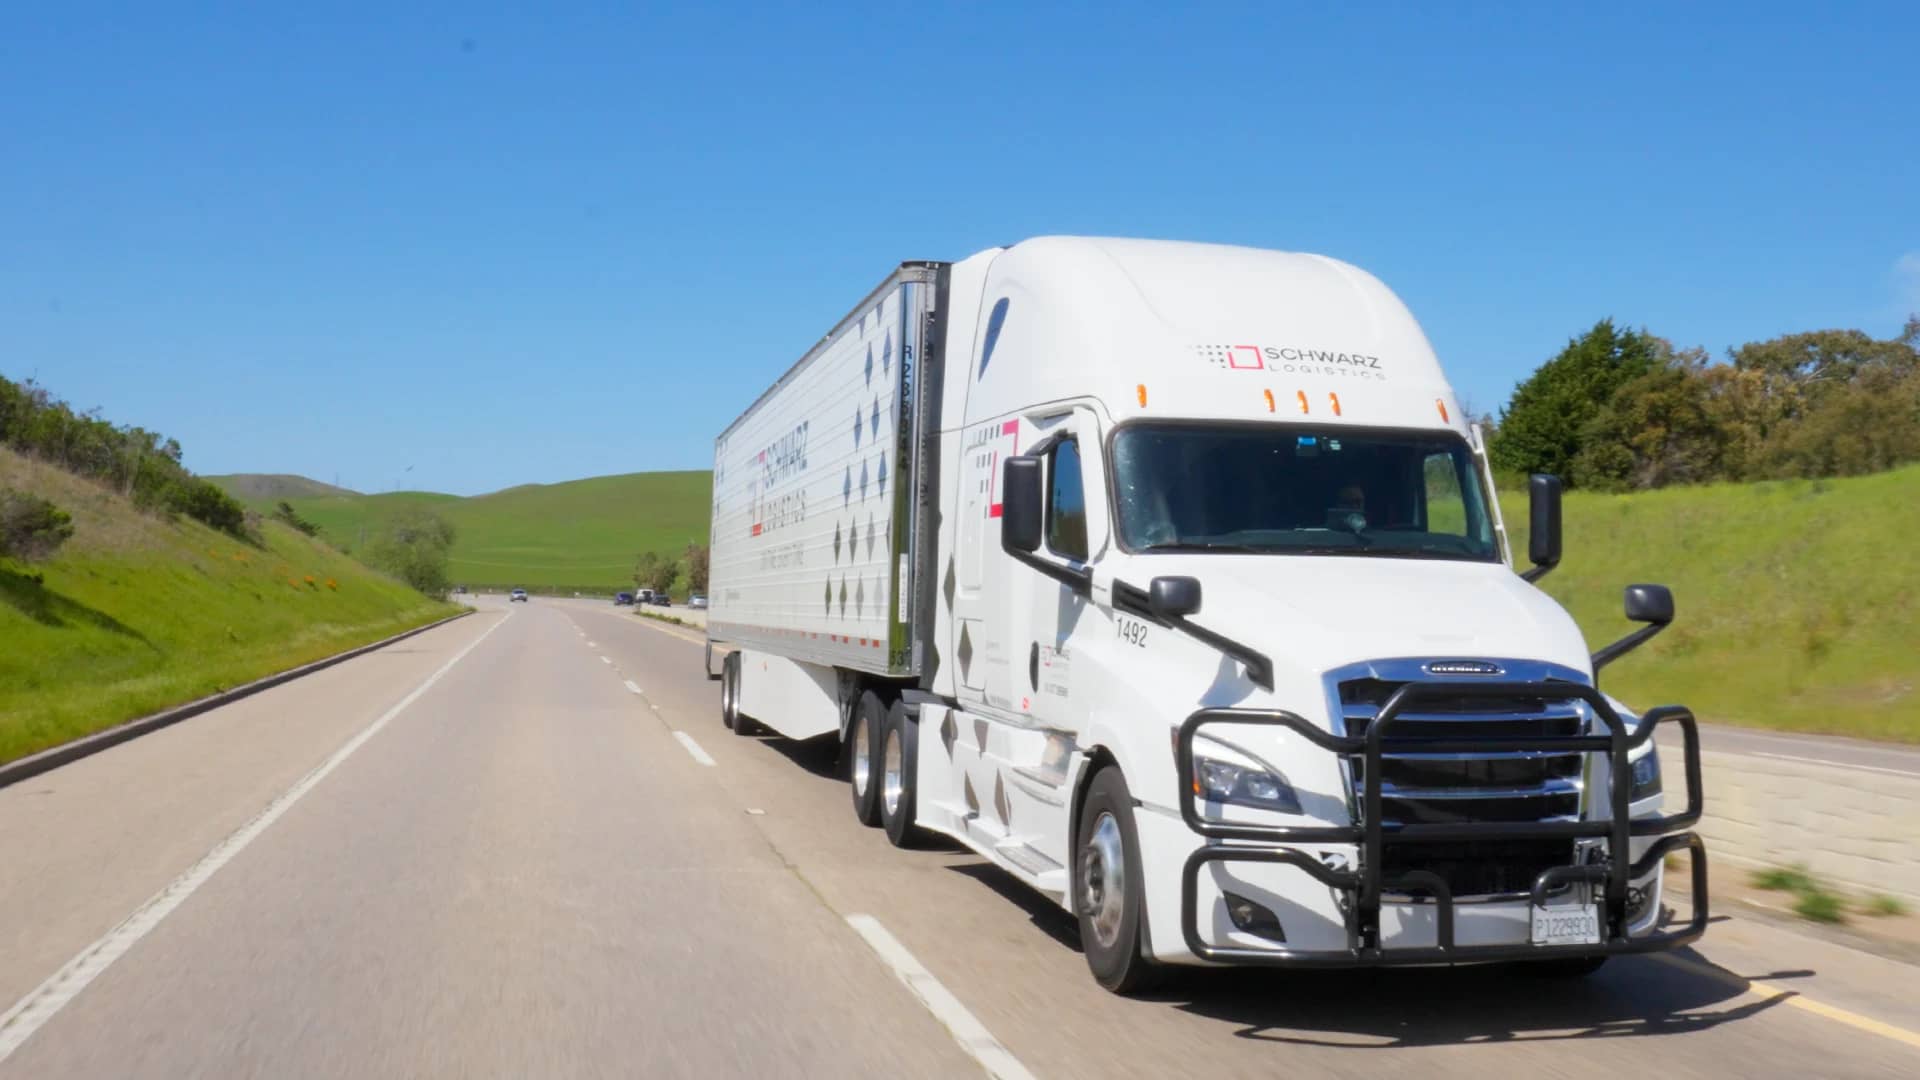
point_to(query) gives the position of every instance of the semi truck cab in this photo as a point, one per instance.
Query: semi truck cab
(1211, 631)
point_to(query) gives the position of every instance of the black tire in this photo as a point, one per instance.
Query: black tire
(862, 754)
(899, 752)
(1113, 946)
(1566, 967)
(730, 714)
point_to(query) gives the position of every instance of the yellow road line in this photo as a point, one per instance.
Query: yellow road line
(1798, 1000)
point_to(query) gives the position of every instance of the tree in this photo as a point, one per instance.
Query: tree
(695, 561)
(1827, 356)
(1658, 429)
(284, 512)
(1540, 429)
(652, 571)
(414, 546)
(31, 528)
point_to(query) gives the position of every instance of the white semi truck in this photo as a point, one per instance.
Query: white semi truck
(1170, 579)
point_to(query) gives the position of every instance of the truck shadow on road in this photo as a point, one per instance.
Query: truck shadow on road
(1631, 996)
(1397, 1008)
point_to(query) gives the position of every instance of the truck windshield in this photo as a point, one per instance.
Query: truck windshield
(1300, 491)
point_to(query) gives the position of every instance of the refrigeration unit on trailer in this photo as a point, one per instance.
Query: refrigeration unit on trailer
(1170, 579)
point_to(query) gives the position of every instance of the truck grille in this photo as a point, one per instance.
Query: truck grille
(1419, 788)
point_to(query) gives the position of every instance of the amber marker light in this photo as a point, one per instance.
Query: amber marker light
(1269, 394)
(1302, 396)
(1444, 418)
(1141, 390)
(1335, 398)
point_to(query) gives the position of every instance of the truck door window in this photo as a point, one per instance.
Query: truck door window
(1067, 504)
(1446, 509)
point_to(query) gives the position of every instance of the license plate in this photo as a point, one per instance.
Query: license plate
(1566, 925)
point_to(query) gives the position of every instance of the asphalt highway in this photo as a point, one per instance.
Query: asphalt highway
(523, 845)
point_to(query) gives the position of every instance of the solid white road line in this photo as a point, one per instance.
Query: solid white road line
(632, 687)
(693, 748)
(1908, 773)
(967, 1030)
(30, 1013)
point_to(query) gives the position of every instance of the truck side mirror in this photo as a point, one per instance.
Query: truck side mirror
(1650, 604)
(1543, 525)
(1021, 508)
(1171, 597)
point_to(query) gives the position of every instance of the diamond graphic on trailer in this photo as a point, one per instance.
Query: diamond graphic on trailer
(886, 352)
(859, 428)
(869, 365)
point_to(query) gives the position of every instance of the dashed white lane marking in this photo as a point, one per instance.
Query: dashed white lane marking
(1910, 774)
(632, 687)
(592, 645)
(693, 748)
(967, 1030)
(30, 1013)
(604, 660)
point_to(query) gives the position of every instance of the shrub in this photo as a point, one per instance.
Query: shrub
(31, 528)
(413, 546)
(205, 502)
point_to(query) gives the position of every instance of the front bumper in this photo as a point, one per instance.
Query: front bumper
(1361, 890)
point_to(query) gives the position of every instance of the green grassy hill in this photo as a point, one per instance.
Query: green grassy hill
(1798, 602)
(580, 534)
(137, 613)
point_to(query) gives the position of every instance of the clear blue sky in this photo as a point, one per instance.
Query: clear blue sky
(344, 242)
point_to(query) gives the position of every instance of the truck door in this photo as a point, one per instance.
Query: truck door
(1056, 619)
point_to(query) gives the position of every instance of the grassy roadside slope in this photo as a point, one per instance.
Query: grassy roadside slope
(1798, 602)
(582, 533)
(136, 614)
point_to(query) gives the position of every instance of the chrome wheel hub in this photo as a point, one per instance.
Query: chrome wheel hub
(862, 756)
(1103, 879)
(893, 780)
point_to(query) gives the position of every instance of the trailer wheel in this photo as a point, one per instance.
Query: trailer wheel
(730, 696)
(1108, 895)
(899, 762)
(862, 752)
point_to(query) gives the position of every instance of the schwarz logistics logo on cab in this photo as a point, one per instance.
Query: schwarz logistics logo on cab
(1292, 360)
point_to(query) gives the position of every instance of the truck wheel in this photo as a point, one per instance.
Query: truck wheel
(1107, 891)
(730, 696)
(863, 756)
(899, 761)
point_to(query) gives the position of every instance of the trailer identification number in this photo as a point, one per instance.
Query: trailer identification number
(1132, 631)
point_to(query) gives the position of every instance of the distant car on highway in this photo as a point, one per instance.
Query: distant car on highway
(697, 600)
(517, 594)
(622, 598)
(663, 599)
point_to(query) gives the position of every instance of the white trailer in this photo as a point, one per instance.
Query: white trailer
(1170, 579)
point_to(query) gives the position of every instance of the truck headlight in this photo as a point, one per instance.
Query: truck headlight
(1221, 781)
(1646, 775)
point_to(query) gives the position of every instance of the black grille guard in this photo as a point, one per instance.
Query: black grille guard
(1232, 842)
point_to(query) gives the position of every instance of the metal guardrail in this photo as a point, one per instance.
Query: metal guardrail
(1233, 842)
